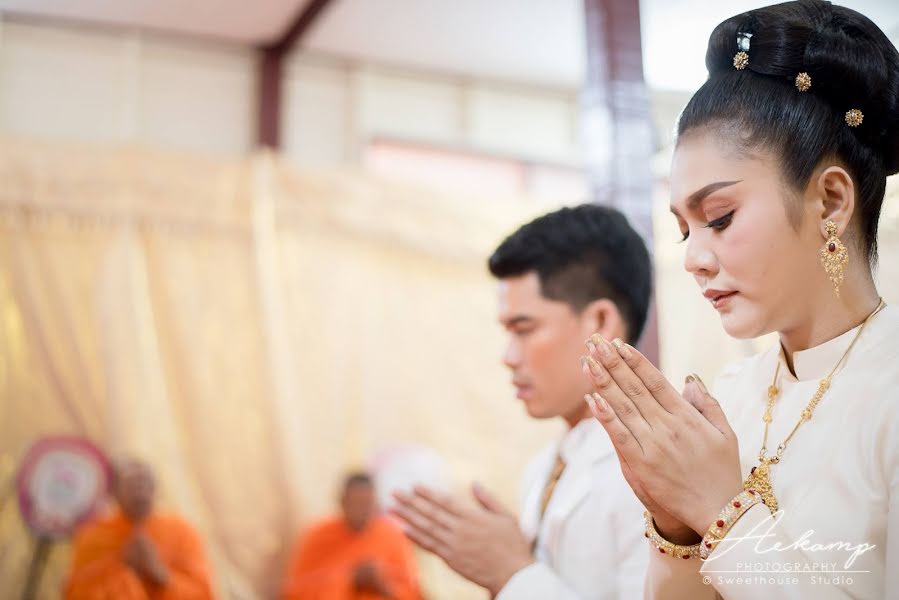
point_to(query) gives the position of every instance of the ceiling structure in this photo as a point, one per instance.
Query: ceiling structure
(530, 41)
(232, 20)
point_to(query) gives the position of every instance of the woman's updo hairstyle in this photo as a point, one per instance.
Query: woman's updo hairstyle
(852, 65)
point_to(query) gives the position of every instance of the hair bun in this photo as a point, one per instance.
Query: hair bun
(851, 62)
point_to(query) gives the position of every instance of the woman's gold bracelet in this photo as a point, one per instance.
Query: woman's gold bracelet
(663, 545)
(728, 516)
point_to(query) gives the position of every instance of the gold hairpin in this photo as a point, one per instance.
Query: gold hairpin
(741, 60)
(803, 82)
(854, 117)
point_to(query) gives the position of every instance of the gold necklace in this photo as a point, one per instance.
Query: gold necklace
(759, 477)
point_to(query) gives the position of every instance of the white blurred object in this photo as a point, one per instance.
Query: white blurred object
(400, 467)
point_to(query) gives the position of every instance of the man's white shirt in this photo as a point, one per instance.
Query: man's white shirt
(589, 542)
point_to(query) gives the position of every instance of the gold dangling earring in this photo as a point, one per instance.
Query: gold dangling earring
(834, 257)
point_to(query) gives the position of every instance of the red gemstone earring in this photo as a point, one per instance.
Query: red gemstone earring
(834, 257)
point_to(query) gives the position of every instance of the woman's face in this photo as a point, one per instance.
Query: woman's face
(750, 262)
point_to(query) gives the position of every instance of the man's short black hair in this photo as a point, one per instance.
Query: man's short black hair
(582, 254)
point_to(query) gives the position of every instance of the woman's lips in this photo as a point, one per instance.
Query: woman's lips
(719, 299)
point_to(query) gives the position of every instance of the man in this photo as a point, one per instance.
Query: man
(357, 555)
(562, 277)
(136, 553)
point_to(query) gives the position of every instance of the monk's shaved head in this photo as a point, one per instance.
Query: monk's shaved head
(134, 485)
(358, 500)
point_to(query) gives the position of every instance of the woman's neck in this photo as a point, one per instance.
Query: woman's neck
(829, 317)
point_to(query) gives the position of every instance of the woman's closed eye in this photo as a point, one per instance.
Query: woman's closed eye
(719, 224)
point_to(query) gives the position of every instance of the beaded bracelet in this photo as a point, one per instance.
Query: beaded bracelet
(728, 516)
(663, 545)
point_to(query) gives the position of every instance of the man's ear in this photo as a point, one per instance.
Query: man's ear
(603, 317)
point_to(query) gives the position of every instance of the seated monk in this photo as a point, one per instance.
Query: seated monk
(135, 553)
(354, 556)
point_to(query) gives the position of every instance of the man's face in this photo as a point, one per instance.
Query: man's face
(358, 504)
(546, 341)
(135, 489)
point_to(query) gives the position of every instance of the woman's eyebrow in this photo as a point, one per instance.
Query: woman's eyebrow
(694, 199)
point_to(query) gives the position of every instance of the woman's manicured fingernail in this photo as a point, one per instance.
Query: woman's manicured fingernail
(688, 379)
(605, 349)
(591, 404)
(595, 367)
(623, 349)
(699, 383)
(692, 394)
(601, 404)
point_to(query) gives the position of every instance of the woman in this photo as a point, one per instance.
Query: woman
(789, 488)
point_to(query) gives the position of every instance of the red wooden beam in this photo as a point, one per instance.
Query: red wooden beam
(268, 121)
(617, 124)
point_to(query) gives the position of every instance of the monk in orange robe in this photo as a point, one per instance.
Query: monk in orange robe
(135, 553)
(359, 555)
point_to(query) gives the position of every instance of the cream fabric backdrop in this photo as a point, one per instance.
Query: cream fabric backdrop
(254, 331)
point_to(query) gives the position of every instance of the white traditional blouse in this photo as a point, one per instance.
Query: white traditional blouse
(837, 484)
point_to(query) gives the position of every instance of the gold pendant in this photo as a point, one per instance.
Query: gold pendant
(834, 256)
(760, 481)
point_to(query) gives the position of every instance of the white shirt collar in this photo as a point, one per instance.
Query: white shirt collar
(586, 438)
(816, 362)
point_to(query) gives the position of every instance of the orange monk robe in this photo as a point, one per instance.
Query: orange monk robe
(99, 571)
(325, 559)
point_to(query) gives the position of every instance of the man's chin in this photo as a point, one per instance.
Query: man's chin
(536, 411)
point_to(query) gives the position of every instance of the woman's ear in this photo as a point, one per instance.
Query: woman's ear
(835, 191)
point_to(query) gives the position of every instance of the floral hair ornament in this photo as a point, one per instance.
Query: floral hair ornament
(741, 58)
(854, 117)
(803, 82)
